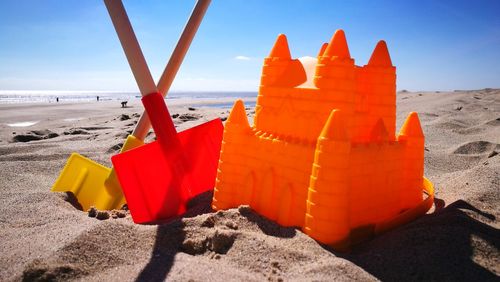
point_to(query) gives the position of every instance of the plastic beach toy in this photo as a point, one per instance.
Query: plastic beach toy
(96, 185)
(322, 153)
(159, 178)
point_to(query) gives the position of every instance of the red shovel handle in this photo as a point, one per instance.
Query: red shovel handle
(161, 121)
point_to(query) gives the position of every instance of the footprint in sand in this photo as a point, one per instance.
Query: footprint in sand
(115, 148)
(476, 148)
(189, 117)
(430, 115)
(495, 122)
(452, 124)
(92, 128)
(121, 135)
(470, 130)
(34, 135)
(76, 131)
(124, 117)
(83, 130)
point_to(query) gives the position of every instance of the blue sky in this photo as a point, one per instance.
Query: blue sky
(71, 44)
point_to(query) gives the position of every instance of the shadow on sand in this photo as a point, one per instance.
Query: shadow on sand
(439, 246)
(169, 240)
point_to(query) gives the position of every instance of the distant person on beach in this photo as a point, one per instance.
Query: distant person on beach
(57, 99)
(97, 98)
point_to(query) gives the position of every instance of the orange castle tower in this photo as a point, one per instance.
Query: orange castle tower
(322, 153)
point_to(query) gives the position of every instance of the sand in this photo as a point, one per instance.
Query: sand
(44, 237)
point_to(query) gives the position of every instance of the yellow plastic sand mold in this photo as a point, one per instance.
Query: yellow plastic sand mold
(323, 153)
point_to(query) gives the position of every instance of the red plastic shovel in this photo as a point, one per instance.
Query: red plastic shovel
(159, 178)
(96, 185)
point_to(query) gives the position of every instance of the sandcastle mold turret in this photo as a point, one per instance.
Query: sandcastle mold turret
(323, 154)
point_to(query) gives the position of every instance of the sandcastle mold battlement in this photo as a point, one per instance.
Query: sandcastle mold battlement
(323, 153)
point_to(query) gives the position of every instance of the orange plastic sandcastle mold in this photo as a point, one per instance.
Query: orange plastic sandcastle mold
(323, 154)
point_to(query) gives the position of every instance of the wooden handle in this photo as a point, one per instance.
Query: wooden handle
(142, 75)
(182, 46)
(168, 75)
(131, 47)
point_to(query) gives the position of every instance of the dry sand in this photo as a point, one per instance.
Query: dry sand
(42, 236)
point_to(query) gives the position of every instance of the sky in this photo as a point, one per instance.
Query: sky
(71, 44)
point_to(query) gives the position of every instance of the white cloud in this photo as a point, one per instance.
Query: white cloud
(242, 58)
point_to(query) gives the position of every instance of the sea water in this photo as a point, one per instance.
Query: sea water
(20, 96)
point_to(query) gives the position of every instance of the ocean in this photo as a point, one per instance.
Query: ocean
(20, 96)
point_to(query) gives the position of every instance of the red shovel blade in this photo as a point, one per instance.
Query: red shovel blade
(158, 181)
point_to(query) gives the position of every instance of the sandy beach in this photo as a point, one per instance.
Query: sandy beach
(44, 237)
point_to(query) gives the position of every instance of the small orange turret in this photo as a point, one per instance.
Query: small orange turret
(335, 69)
(322, 50)
(280, 50)
(337, 48)
(412, 136)
(279, 68)
(380, 56)
(322, 153)
(327, 217)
